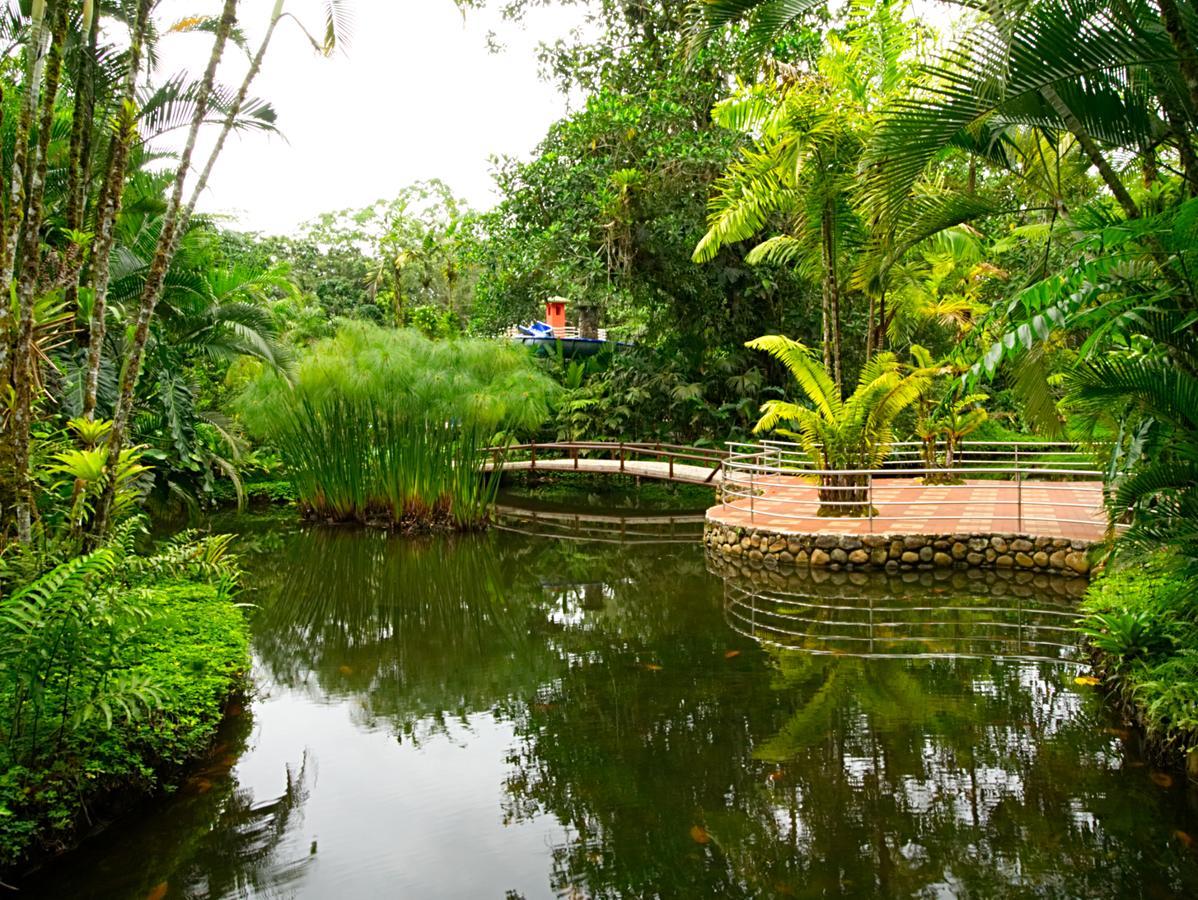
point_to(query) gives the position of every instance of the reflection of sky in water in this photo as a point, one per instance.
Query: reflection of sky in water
(425, 820)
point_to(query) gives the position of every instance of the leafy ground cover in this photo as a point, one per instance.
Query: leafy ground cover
(1142, 623)
(115, 674)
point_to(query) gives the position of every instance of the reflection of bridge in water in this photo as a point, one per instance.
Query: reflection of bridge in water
(684, 528)
(913, 615)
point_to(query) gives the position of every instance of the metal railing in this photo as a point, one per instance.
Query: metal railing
(625, 452)
(1021, 483)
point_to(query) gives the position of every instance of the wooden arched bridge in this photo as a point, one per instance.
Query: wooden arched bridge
(664, 462)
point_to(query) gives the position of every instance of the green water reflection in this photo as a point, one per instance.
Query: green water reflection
(505, 715)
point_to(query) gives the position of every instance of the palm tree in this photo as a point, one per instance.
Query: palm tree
(179, 212)
(838, 434)
(800, 175)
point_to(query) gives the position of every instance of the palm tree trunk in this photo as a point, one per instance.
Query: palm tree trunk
(870, 332)
(831, 296)
(1187, 59)
(156, 277)
(23, 359)
(1093, 153)
(10, 224)
(109, 209)
(231, 118)
(79, 155)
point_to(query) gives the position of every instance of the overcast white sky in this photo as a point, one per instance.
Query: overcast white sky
(416, 95)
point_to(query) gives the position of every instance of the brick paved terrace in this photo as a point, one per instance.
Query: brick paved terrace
(789, 505)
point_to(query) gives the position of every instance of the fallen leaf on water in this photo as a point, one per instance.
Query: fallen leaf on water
(653, 667)
(1186, 840)
(699, 835)
(158, 891)
(346, 670)
(732, 654)
(234, 709)
(543, 707)
(777, 775)
(1088, 680)
(1122, 733)
(1161, 779)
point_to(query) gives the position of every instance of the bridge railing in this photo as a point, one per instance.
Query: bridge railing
(625, 452)
(1021, 483)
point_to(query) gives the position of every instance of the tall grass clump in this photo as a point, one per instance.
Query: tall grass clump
(389, 428)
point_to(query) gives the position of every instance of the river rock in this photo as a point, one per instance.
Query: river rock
(1078, 563)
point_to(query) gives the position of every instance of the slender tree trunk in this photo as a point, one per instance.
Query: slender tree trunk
(831, 297)
(1093, 153)
(156, 277)
(231, 118)
(79, 156)
(10, 224)
(880, 341)
(23, 359)
(1179, 35)
(109, 209)
(870, 332)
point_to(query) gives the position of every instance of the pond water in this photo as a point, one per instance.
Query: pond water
(537, 712)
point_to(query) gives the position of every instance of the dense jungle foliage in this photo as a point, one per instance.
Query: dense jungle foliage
(1000, 215)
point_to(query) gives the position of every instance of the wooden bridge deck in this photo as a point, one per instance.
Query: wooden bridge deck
(686, 473)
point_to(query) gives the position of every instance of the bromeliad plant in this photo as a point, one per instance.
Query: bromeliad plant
(388, 427)
(842, 437)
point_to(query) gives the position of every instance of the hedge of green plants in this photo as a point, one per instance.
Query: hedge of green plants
(114, 674)
(1142, 623)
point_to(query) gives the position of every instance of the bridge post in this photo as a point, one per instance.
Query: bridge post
(1018, 491)
(671, 468)
(752, 494)
(621, 456)
(534, 456)
(869, 500)
(1019, 499)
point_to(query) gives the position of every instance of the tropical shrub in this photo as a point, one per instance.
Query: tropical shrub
(840, 435)
(388, 427)
(114, 672)
(1142, 623)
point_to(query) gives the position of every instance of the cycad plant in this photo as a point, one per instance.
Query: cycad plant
(387, 427)
(842, 437)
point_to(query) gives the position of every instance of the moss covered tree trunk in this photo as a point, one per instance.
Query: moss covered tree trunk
(168, 242)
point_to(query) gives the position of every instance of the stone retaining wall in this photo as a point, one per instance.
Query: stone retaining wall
(1056, 556)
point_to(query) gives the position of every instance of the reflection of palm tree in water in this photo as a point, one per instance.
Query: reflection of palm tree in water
(701, 775)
